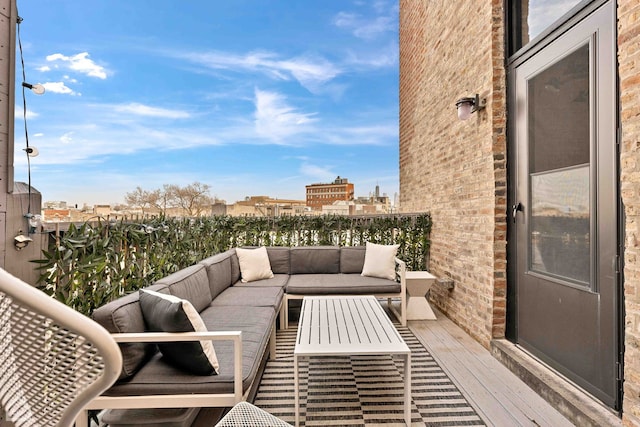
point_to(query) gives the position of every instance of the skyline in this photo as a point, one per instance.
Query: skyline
(251, 97)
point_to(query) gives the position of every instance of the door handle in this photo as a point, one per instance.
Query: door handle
(514, 210)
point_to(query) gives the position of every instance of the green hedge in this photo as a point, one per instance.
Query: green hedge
(96, 262)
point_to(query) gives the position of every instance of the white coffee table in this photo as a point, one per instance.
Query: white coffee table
(346, 326)
(418, 284)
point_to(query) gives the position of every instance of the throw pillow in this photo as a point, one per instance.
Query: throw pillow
(254, 264)
(168, 313)
(379, 261)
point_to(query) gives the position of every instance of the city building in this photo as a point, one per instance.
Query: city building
(260, 206)
(319, 195)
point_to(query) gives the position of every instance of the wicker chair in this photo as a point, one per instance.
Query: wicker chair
(53, 360)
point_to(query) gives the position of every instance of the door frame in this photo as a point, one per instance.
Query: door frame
(579, 13)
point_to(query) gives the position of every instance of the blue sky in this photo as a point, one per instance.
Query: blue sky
(252, 97)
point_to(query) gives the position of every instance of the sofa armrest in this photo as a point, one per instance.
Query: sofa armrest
(401, 269)
(235, 336)
(402, 272)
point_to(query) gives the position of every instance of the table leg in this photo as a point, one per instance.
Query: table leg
(296, 382)
(407, 390)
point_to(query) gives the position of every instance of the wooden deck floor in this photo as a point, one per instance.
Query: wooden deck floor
(499, 396)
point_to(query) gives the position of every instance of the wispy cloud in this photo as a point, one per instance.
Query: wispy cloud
(19, 113)
(317, 173)
(60, 87)
(311, 71)
(364, 27)
(276, 120)
(149, 111)
(386, 57)
(80, 63)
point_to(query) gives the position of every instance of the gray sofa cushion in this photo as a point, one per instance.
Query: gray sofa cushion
(279, 258)
(247, 296)
(159, 377)
(149, 417)
(219, 271)
(235, 266)
(124, 316)
(278, 280)
(339, 284)
(190, 283)
(317, 259)
(352, 259)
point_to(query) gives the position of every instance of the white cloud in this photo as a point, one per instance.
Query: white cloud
(19, 113)
(317, 173)
(59, 87)
(80, 63)
(275, 120)
(364, 28)
(311, 71)
(387, 57)
(44, 68)
(67, 138)
(148, 111)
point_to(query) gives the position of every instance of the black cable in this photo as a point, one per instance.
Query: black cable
(24, 114)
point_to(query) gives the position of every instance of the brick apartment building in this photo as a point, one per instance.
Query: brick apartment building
(535, 198)
(319, 195)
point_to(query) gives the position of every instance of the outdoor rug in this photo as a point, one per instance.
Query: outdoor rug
(362, 390)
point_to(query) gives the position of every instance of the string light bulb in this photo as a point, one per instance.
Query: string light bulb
(37, 88)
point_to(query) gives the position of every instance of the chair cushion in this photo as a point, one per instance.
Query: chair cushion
(167, 313)
(379, 261)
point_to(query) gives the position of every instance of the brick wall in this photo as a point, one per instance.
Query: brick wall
(455, 169)
(629, 74)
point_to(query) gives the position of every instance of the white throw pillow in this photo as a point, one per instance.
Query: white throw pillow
(254, 264)
(379, 261)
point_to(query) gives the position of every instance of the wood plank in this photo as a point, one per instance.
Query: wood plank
(498, 396)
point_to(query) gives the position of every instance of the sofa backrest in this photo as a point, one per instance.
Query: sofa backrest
(352, 259)
(223, 270)
(279, 258)
(315, 260)
(124, 315)
(190, 283)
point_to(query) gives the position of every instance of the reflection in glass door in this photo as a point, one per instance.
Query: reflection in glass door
(559, 152)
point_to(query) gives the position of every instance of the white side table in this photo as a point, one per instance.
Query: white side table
(418, 284)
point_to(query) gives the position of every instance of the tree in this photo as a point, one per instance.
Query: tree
(194, 199)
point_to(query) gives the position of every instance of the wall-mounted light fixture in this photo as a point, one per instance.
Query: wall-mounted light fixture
(21, 241)
(469, 105)
(37, 88)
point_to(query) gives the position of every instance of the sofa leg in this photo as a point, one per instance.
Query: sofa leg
(281, 314)
(272, 344)
(284, 320)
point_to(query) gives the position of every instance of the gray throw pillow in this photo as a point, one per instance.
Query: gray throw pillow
(168, 313)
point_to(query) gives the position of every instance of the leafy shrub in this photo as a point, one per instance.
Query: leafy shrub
(96, 262)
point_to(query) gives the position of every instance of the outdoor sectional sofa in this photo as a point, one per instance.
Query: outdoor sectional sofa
(241, 318)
